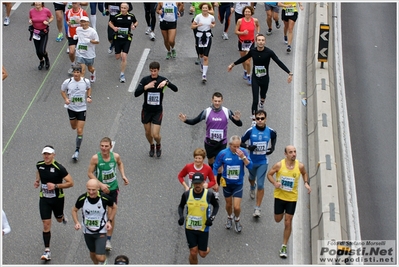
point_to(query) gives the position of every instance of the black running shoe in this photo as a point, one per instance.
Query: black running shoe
(159, 150)
(152, 150)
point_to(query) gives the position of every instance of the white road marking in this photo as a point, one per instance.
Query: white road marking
(139, 69)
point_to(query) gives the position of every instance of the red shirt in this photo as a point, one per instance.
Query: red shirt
(189, 170)
(74, 19)
(250, 26)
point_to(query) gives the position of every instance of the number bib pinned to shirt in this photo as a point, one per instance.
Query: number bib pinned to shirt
(261, 148)
(154, 98)
(194, 222)
(233, 172)
(260, 71)
(246, 45)
(287, 183)
(216, 134)
(46, 192)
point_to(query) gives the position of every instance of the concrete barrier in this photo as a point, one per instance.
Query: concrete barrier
(333, 201)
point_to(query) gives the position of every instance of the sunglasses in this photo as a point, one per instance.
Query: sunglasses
(260, 118)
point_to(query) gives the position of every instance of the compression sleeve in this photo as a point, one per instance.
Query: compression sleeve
(197, 119)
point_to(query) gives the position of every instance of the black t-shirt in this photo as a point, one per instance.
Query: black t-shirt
(52, 173)
(153, 97)
(124, 22)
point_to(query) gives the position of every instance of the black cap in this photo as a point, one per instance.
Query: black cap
(198, 178)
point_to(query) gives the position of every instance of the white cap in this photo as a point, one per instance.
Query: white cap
(48, 149)
(84, 18)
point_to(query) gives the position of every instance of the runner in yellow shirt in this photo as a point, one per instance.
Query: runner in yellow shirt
(288, 172)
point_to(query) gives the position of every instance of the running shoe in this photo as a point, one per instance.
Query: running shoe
(283, 252)
(47, 63)
(159, 150)
(197, 61)
(216, 195)
(148, 31)
(60, 37)
(201, 67)
(204, 78)
(108, 246)
(249, 80)
(110, 49)
(278, 25)
(152, 150)
(261, 105)
(245, 75)
(64, 220)
(173, 53)
(152, 36)
(46, 255)
(289, 49)
(225, 36)
(70, 71)
(252, 193)
(229, 223)
(285, 39)
(6, 21)
(67, 51)
(237, 226)
(122, 78)
(75, 156)
(93, 77)
(168, 55)
(269, 31)
(40, 67)
(256, 212)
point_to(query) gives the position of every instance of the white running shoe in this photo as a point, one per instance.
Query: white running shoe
(256, 213)
(75, 156)
(225, 36)
(148, 31)
(46, 255)
(108, 246)
(93, 77)
(122, 78)
(152, 36)
(6, 21)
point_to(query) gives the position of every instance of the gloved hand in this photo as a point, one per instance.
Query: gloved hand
(270, 150)
(251, 147)
(181, 221)
(208, 222)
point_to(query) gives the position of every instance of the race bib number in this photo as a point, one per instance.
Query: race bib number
(289, 12)
(260, 71)
(108, 176)
(82, 47)
(261, 148)
(154, 99)
(194, 222)
(78, 100)
(246, 45)
(36, 34)
(287, 183)
(216, 134)
(233, 172)
(92, 223)
(169, 10)
(113, 10)
(123, 32)
(47, 193)
(74, 21)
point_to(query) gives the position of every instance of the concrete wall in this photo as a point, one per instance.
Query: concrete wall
(333, 214)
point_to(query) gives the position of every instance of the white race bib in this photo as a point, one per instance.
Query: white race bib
(287, 183)
(216, 134)
(194, 222)
(47, 193)
(233, 172)
(246, 46)
(154, 98)
(261, 148)
(260, 71)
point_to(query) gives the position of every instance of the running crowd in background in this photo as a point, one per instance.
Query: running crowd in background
(227, 156)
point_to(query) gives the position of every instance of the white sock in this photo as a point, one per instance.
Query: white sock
(204, 70)
(93, 20)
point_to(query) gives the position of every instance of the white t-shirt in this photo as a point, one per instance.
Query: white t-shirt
(76, 91)
(85, 48)
(205, 21)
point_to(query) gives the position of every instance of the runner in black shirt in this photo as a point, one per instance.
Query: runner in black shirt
(153, 87)
(49, 176)
(123, 24)
(261, 56)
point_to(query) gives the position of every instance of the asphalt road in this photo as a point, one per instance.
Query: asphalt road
(370, 69)
(146, 224)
